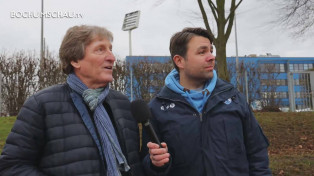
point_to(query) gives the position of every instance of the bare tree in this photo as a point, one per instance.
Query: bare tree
(19, 79)
(296, 15)
(269, 95)
(161, 70)
(253, 78)
(224, 23)
(120, 76)
(50, 72)
(149, 77)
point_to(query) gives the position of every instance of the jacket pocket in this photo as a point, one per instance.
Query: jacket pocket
(235, 139)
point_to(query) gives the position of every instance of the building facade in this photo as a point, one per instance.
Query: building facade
(267, 81)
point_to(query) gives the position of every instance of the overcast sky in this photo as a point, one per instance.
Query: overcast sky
(159, 20)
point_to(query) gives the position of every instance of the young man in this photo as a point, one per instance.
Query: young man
(80, 127)
(205, 123)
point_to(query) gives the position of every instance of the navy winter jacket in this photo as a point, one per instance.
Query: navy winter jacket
(53, 135)
(225, 139)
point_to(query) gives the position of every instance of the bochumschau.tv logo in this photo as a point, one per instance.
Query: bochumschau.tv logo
(50, 14)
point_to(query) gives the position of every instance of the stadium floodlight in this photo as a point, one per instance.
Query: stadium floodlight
(130, 22)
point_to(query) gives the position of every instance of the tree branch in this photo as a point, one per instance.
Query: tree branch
(205, 17)
(230, 18)
(213, 9)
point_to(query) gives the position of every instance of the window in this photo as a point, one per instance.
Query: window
(281, 82)
(306, 66)
(263, 82)
(296, 82)
(262, 67)
(295, 67)
(282, 68)
(283, 95)
(277, 68)
(297, 95)
(301, 67)
(291, 67)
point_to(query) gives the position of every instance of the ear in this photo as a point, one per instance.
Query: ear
(75, 64)
(179, 61)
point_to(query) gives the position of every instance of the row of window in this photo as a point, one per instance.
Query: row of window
(283, 82)
(270, 68)
(282, 68)
(277, 82)
(300, 67)
(301, 82)
(268, 95)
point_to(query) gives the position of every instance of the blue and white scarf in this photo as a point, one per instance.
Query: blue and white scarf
(109, 141)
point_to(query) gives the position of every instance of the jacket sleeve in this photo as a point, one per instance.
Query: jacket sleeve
(22, 151)
(256, 145)
(149, 168)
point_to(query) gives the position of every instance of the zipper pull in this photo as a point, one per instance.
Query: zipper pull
(201, 117)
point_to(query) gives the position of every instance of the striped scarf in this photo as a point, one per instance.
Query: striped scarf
(111, 149)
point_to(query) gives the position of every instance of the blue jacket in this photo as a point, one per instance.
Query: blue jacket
(225, 139)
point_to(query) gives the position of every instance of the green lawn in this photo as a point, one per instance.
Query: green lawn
(5, 127)
(291, 137)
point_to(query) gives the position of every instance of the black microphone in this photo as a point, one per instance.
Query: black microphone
(141, 113)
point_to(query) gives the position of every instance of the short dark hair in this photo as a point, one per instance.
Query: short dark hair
(75, 41)
(180, 40)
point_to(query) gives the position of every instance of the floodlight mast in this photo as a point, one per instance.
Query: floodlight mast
(131, 21)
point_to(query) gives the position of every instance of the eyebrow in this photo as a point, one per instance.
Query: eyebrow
(202, 47)
(103, 45)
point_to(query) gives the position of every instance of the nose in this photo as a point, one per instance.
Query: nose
(111, 57)
(210, 57)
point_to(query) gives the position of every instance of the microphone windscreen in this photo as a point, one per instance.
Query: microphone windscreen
(140, 111)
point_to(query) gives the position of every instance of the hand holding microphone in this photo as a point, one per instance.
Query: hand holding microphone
(158, 151)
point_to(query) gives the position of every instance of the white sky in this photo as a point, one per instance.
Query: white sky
(159, 20)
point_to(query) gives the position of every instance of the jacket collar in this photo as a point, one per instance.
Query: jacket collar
(223, 91)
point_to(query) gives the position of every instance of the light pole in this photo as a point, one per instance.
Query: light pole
(130, 22)
(1, 94)
(42, 32)
(237, 56)
(237, 61)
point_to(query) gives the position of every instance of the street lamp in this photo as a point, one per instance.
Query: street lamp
(237, 56)
(0, 94)
(237, 62)
(130, 22)
(42, 33)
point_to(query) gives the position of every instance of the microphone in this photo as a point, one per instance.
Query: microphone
(141, 113)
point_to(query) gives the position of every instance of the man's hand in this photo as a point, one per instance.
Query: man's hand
(158, 156)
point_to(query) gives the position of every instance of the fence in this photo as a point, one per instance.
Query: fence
(301, 91)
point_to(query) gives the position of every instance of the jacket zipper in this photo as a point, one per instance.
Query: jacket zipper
(217, 94)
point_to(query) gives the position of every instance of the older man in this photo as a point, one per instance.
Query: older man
(80, 127)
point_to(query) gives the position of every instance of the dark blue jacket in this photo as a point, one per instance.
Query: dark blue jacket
(53, 135)
(225, 139)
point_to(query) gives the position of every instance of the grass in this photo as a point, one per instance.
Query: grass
(291, 137)
(6, 124)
